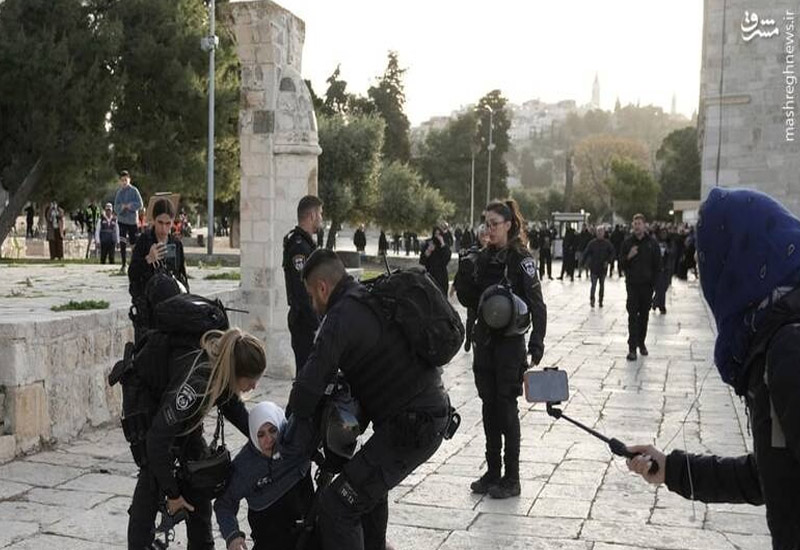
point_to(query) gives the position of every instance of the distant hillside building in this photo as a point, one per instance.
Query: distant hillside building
(748, 98)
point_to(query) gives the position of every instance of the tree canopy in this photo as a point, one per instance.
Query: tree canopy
(679, 169)
(388, 97)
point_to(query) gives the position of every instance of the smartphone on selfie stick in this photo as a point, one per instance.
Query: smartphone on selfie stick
(550, 386)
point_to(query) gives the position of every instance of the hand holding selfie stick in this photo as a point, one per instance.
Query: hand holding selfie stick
(617, 447)
(550, 386)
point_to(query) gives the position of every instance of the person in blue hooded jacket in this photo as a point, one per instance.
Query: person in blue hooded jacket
(748, 251)
(272, 473)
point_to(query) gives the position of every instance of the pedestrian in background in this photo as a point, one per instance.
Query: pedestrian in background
(106, 235)
(127, 204)
(598, 254)
(639, 259)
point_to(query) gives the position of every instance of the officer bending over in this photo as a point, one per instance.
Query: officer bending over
(404, 398)
(229, 363)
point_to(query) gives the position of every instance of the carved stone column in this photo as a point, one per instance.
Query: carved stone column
(279, 149)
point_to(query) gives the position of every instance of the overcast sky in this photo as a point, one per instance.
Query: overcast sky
(457, 50)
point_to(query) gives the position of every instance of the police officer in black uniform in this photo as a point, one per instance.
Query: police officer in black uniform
(180, 394)
(298, 245)
(500, 356)
(404, 398)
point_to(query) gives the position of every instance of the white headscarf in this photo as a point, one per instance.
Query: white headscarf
(266, 411)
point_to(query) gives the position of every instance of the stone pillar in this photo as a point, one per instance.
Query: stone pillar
(749, 97)
(279, 149)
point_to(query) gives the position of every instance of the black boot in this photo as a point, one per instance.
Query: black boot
(507, 488)
(483, 484)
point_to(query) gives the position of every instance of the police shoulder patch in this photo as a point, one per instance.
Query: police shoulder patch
(185, 398)
(528, 266)
(298, 262)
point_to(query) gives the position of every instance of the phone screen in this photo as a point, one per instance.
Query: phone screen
(546, 386)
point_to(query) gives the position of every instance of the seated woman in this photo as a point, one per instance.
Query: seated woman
(272, 471)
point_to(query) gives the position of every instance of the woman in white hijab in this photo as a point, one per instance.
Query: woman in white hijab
(273, 474)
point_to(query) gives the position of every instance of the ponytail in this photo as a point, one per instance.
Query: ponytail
(231, 354)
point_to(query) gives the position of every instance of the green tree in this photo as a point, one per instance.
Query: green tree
(349, 166)
(338, 101)
(593, 161)
(406, 202)
(57, 59)
(632, 188)
(159, 119)
(389, 100)
(678, 159)
(445, 162)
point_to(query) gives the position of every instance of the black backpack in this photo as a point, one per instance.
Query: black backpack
(411, 298)
(467, 290)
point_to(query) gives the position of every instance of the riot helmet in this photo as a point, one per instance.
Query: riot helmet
(503, 311)
(341, 422)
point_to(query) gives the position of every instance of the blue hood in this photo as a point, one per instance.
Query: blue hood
(748, 245)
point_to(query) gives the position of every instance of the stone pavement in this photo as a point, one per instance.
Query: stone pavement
(575, 495)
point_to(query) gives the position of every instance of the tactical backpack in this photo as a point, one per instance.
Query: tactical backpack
(467, 290)
(411, 298)
(178, 324)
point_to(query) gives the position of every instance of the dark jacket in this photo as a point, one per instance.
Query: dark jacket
(179, 407)
(714, 478)
(264, 480)
(520, 270)
(360, 240)
(140, 271)
(355, 337)
(436, 263)
(598, 254)
(643, 268)
(297, 247)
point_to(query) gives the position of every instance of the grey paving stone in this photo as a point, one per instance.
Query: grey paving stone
(662, 537)
(460, 540)
(559, 528)
(102, 483)
(10, 489)
(434, 518)
(38, 542)
(415, 538)
(73, 499)
(41, 514)
(561, 508)
(40, 475)
(730, 522)
(93, 525)
(443, 491)
(16, 530)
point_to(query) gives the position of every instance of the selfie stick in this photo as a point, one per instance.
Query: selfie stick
(617, 447)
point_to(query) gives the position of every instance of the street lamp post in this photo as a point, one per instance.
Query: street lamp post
(472, 193)
(209, 44)
(490, 148)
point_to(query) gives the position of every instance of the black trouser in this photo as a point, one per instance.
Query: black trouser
(599, 276)
(106, 252)
(545, 262)
(640, 297)
(498, 367)
(142, 513)
(360, 492)
(663, 280)
(127, 235)
(778, 467)
(302, 341)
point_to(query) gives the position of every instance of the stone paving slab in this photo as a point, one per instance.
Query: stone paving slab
(575, 495)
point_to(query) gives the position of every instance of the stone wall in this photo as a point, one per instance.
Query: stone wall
(53, 375)
(279, 149)
(749, 49)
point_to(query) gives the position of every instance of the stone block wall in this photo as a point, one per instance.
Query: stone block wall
(53, 375)
(743, 95)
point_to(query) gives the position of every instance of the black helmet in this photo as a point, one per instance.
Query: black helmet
(341, 422)
(503, 311)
